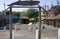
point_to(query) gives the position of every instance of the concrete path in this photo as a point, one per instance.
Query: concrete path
(24, 33)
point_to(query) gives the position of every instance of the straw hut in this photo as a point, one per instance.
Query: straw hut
(24, 20)
(57, 20)
(51, 20)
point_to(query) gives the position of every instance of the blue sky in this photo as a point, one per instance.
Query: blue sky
(42, 3)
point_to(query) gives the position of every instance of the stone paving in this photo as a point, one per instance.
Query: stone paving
(23, 33)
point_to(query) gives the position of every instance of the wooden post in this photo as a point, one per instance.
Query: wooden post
(37, 33)
(10, 22)
(58, 34)
(39, 28)
(13, 34)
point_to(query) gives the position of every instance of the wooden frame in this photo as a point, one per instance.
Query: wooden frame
(25, 3)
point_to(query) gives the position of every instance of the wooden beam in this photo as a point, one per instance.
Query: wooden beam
(39, 28)
(25, 7)
(5, 9)
(10, 22)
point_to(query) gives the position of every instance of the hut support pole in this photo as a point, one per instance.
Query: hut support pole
(39, 28)
(10, 22)
(54, 24)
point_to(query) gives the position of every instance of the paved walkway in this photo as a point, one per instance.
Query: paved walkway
(48, 33)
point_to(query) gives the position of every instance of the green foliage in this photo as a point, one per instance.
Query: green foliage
(32, 13)
(0, 13)
(7, 12)
(23, 13)
(13, 13)
(56, 8)
(16, 13)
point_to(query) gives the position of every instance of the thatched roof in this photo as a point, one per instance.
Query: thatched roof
(50, 17)
(57, 17)
(24, 17)
(53, 17)
(24, 3)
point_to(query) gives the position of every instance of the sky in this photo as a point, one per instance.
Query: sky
(42, 3)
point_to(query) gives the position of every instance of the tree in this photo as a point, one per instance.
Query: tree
(13, 13)
(23, 13)
(32, 13)
(7, 12)
(56, 9)
(16, 13)
(0, 13)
